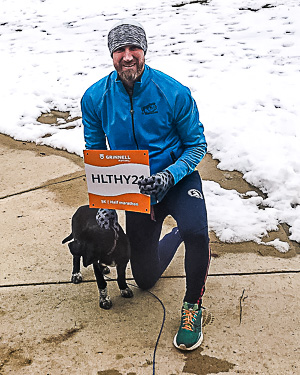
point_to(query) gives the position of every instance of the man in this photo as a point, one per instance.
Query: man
(136, 107)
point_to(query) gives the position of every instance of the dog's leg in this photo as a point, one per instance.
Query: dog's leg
(126, 292)
(76, 274)
(104, 299)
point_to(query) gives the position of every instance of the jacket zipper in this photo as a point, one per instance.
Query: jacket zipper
(132, 121)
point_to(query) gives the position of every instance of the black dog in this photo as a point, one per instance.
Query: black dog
(99, 240)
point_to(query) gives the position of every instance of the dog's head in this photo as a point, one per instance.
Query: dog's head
(85, 250)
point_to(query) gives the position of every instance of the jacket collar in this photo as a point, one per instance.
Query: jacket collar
(138, 86)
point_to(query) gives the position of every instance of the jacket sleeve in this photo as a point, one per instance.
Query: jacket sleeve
(94, 135)
(191, 133)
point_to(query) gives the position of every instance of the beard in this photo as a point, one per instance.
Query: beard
(130, 76)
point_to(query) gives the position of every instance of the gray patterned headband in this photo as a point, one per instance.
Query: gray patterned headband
(127, 32)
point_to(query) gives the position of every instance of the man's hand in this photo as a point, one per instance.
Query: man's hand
(157, 185)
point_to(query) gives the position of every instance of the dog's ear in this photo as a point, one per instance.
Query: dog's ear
(88, 255)
(75, 248)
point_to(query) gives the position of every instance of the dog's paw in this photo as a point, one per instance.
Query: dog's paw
(104, 300)
(105, 303)
(76, 278)
(126, 293)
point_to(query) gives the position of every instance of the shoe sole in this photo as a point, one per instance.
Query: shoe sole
(183, 347)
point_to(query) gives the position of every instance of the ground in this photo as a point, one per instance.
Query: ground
(50, 326)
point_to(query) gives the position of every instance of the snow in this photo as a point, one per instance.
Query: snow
(241, 59)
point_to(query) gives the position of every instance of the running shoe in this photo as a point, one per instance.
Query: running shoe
(189, 335)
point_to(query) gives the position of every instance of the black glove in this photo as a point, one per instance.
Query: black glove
(157, 185)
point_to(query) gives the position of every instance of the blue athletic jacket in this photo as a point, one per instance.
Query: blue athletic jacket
(161, 117)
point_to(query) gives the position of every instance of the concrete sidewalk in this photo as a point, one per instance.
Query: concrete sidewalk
(51, 326)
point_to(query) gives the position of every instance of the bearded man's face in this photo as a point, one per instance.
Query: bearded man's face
(129, 62)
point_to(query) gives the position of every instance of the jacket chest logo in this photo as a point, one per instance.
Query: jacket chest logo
(149, 109)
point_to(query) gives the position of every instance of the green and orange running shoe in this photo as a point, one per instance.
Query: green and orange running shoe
(189, 335)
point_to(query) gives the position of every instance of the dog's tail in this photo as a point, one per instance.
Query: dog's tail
(69, 238)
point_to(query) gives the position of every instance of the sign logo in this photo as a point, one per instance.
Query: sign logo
(195, 193)
(119, 158)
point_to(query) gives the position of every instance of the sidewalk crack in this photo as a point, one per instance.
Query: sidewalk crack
(41, 187)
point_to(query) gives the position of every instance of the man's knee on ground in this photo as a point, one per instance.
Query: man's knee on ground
(145, 270)
(143, 280)
(145, 284)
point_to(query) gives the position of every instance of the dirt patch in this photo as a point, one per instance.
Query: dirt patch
(57, 117)
(198, 364)
(203, 2)
(219, 248)
(57, 339)
(13, 357)
(209, 170)
(70, 190)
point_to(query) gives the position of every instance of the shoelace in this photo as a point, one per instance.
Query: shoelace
(189, 316)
